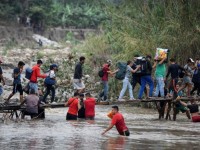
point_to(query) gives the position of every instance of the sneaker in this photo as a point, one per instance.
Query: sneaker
(131, 99)
(53, 102)
(121, 100)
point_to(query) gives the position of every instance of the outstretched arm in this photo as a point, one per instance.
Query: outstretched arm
(110, 127)
(40, 75)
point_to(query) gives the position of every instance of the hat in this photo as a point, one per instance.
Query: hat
(109, 61)
(53, 65)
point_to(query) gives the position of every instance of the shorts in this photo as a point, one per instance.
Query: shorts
(78, 85)
(195, 118)
(33, 86)
(181, 108)
(126, 133)
(71, 117)
(26, 113)
(187, 80)
(17, 88)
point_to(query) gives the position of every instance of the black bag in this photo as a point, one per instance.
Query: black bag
(101, 73)
(143, 63)
(144, 66)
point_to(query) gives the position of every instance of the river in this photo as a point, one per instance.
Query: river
(54, 132)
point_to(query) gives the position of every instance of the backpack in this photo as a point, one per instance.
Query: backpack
(28, 73)
(49, 81)
(144, 66)
(120, 75)
(101, 73)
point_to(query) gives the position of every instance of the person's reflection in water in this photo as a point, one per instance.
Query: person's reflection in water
(115, 143)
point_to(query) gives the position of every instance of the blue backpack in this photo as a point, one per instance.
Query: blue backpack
(120, 75)
(28, 73)
(49, 81)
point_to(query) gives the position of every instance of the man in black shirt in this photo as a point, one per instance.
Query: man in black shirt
(173, 69)
(136, 77)
(78, 74)
(1, 80)
(146, 79)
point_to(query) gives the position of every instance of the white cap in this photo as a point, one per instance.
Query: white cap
(109, 61)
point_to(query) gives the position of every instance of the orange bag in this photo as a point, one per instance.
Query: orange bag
(110, 115)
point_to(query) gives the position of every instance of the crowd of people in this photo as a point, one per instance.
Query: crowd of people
(187, 77)
(83, 106)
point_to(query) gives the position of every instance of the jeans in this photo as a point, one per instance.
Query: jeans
(104, 93)
(126, 83)
(160, 84)
(52, 89)
(146, 80)
(33, 86)
(1, 90)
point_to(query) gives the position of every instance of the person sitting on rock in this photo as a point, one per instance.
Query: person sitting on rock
(32, 104)
(17, 86)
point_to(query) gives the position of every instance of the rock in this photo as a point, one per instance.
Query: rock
(45, 42)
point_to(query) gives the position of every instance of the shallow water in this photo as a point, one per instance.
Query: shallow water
(55, 133)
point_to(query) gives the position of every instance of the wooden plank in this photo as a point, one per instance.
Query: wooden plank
(16, 106)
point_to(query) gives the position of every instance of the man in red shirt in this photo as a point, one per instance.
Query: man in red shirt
(118, 121)
(36, 74)
(106, 72)
(89, 107)
(73, 107)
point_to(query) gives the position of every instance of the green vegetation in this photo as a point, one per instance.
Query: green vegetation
(140, 26)
(65, 13)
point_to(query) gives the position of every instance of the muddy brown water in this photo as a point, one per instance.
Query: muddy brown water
(54, 132)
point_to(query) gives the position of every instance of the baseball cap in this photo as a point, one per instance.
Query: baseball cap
(54, 65)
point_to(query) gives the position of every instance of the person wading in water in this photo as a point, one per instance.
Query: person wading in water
(118, 121)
